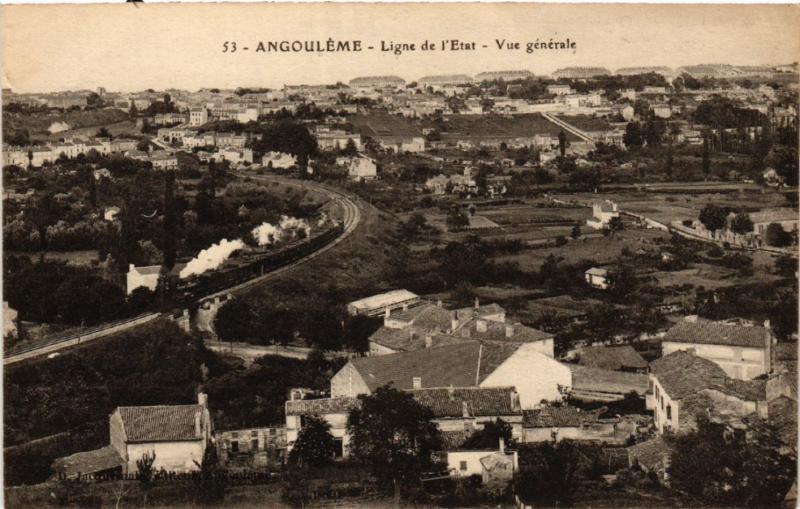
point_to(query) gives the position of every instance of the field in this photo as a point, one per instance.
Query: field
(486, 127)
(379, 125)
(86, 258)
(37, 123)
(667, 207)
(125, 127)
(585, 123)
(598, 249)
(709, 277)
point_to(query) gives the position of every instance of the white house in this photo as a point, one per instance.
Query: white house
(377, 305)
(141, 276)
(176, 434)
(743, 352)
(602, 214)
(598, 278)
(535, 376)
(198, 116)
(279, 160)
(683, 386)
(362, 168)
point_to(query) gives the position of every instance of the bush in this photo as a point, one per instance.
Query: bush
(560, 241)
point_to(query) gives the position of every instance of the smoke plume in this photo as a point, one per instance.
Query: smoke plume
(212, 257)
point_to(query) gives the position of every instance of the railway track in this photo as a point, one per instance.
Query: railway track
(351, 216)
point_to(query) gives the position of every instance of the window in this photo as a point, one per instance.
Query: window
(234, 446)
(669, 412)
(338, 448)
(463, 466)
(254, 445)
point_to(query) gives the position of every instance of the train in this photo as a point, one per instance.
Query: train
(245, 266)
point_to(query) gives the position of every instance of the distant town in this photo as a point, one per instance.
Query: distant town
(500, 290)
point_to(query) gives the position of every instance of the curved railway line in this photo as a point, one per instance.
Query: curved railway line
(351, 216)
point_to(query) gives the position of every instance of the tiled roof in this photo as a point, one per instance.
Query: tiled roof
(479, 401)
(650, 454)
(596, 271)
(452, 440)
(498, 331)
(427, 315)
(605, 380)
(374, 301)
(88, 462)
(148, 270)
(612, 357)
(160, 423)
(321, 406)
(555, 417)
(682, 374)
(410, 338)
(462, 364)
(716, 333)
(782, 413)
(435, 367)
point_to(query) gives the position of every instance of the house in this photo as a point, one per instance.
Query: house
(536, 376)
(198, 116)
(164, 161)
(560, 90)
(552, 424)
(602, 214)
(494, 466)
(786, 217)
(252, 448)
(743, 352)
(616, 358)
(377, 305)
(362, 168)
(427, 325)
(9, 320)
(177, 434)
(278, 160)
(146, 276)
(598, 278)
(596, 384)
(651, 456)
(685, 386)
(58, 127)
(661, 110)
(111, 213)
(772, 178)
(101, 173)
(454, 409)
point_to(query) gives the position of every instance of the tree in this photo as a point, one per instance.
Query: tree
(357, 330)
(713, 217)
(145, 472)
(102, 133)
(456, 219)
(489, 437)
(562, 143)
(576, 231)
(549, 472)
(170, 237)
(234, 321)
(209, 483)
(633, 135)
(741, 223)
(350, 148)
(706, 156)
(747, 471)
(315, 445)
(133, 111)
(393, 434)
(776, 236)
(616, 224)
(143, 145)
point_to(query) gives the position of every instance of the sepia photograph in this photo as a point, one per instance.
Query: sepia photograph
(364, 255)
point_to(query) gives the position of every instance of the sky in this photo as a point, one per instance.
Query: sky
(129, 47)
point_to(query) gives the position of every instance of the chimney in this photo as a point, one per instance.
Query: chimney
(502, 445)
(131, 267)
(453, 321)
(450, 392)
(428, 341)
(202, 399)
(509, 331)
(405, 306)
(386, 315)
(464, 409)
(480, 325)
(438, 303)
(416, 382)
(767, 325)
(198, 430)
(477, 303)
(514, 399)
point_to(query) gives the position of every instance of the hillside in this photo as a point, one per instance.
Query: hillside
(37, 123)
